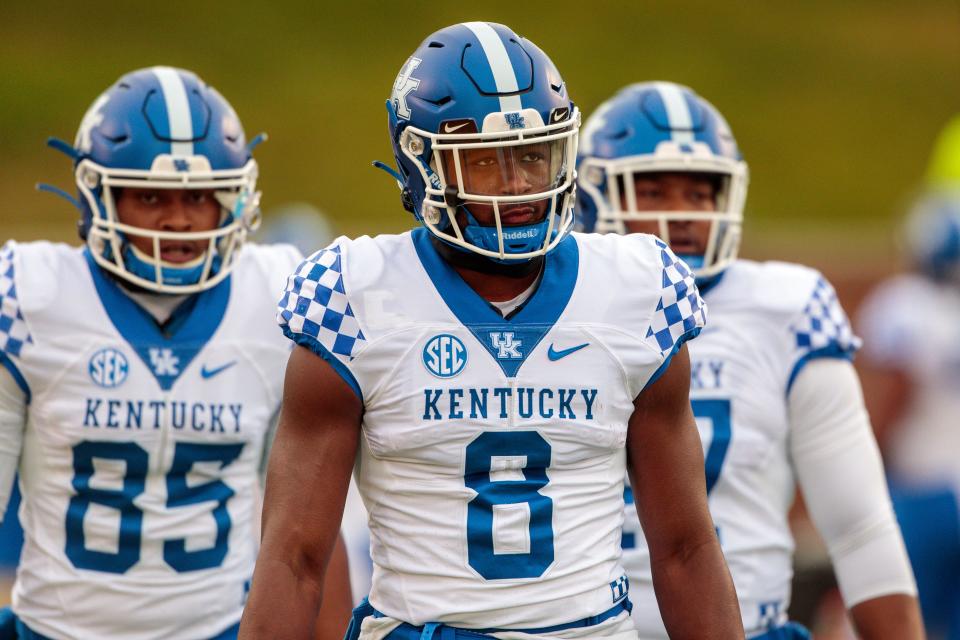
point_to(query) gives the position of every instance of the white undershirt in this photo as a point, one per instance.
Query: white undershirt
(838, 465)
(159, 306)
(507, 307)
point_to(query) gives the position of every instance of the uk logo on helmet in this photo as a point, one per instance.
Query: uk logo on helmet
(444, 355)
(403, 86)
(514, 120)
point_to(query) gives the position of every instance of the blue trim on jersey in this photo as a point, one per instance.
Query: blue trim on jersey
(689, 335)
(13, 628)
(435, 630)
(511, 340)
(708, 284)
(314, 345)
(788, 631)
(21, 381)
(832, 350)
(166, 351)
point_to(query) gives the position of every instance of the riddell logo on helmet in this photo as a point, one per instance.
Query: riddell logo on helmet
(520, 235)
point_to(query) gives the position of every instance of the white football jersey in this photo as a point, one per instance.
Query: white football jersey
(142, 444)
(766, 321)
(492, 458)
(912, 323)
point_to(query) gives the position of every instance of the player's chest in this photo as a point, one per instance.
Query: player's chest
(737, 397)
(454, 381)
(104, 387)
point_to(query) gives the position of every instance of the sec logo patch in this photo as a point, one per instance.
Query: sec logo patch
(108, 368)
(444, 355)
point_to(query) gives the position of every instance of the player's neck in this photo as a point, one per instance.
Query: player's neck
(493, 281)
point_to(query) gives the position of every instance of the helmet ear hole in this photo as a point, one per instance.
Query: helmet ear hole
(406, 199)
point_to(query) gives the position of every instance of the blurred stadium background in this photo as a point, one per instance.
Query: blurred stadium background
(835, 103)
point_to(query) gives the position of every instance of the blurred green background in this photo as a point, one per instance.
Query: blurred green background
(835, 103)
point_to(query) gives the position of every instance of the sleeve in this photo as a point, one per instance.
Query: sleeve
(680, 313)
(13, 417)
(838, 465)
(14, 333)
(821, 330)
(314, 311)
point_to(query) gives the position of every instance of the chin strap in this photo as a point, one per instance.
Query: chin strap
(68, 150)
(260, 137)
(393, 172)
(63, 147)
(57, 191)
(405, 198)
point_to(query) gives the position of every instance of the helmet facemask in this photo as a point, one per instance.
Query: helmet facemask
(511, 185)
(108, 237)
(610, 183)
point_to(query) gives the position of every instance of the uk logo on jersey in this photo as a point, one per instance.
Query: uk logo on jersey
(505, 344)
(444, 355)
(163, 362)
(108, 368)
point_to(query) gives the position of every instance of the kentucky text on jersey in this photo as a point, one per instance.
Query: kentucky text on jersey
(214, 417)
(501, 402)
(706, 374)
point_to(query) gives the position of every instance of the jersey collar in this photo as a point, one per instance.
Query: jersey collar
(166, 349)
(508, 340)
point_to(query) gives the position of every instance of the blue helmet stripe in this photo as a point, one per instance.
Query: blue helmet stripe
(504, 76)
(178, 110)
(678, 112)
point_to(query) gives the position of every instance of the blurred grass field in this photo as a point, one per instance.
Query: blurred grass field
(835, 103)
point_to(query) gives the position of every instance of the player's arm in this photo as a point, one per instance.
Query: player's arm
(337, 606)
(841, 475)
(691, 580)
(13, 417)
(307, 480)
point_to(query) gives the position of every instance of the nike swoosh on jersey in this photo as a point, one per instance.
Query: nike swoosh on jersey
(209, 373)
(553, 354)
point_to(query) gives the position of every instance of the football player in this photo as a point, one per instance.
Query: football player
(772, 387)
(912, 371)
(491, 373)
(141, 375)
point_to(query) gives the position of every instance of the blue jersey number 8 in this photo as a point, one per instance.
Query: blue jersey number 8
(532, 447)
(131, 517)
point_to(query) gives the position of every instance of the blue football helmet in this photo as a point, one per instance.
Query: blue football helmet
(932, 235)
(661, 127)
(480, 121)
(163, 128)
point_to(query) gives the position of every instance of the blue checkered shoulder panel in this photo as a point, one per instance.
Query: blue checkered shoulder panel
(681, 310)
(315, 306)
(13, 328)
(823, 327)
